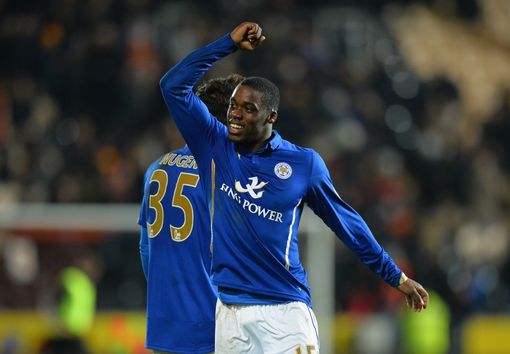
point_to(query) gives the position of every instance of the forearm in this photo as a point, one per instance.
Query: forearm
(178, 82)
(198, 127)
(384, 266)
(356, 235)
(349, 226)
(144, 251)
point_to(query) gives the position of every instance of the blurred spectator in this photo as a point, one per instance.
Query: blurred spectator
(407, 101)
(75, 306)
(429, 334)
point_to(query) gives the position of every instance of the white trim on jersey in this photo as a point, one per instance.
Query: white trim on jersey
(289, 237)
(213, 186)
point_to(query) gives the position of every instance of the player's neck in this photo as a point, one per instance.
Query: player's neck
(254, 146)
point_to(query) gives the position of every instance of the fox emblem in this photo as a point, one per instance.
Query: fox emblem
(251, 188)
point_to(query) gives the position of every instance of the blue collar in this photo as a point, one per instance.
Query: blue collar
(274, 142)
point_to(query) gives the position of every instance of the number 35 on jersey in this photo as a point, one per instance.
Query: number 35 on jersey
(179, 200)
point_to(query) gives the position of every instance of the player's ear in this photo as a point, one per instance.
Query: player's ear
(272, 117)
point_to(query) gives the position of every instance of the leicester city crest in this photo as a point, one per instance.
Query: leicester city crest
(283, 170)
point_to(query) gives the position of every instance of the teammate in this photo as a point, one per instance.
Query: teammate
(259, 185)
(175, 244)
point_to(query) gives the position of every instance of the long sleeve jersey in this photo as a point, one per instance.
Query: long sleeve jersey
(256, 198)
(175, 242)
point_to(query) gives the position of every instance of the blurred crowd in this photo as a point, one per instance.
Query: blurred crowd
(407, 101)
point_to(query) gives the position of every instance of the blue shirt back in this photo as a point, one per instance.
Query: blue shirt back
(257, 198)
(175, 247)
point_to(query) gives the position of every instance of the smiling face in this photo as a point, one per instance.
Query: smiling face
(250, 122)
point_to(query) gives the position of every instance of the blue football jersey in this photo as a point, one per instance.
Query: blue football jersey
(257, 198)
(175, 248)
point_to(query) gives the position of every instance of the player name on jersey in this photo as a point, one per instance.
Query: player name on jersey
(252, 207)
(185, 161)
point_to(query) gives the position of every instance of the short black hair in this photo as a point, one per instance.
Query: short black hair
(216, 93)
(270, 93)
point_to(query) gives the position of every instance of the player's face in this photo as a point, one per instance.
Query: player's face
(249, 121)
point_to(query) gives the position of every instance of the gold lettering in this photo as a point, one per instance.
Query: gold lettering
(164, 159)
(178, 161)
(173, 159)
(184, 161)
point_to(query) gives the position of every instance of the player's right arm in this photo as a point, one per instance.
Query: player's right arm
(198, 127)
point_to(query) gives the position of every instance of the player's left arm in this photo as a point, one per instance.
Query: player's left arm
(144, 250)
(142, 221)
(350, 227)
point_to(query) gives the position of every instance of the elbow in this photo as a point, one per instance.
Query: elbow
(143, 245)
(166, 83)
(162, 82)
(170, 84)
(144, 249)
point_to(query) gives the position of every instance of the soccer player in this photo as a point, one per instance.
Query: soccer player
(175, 240)
(259, 185)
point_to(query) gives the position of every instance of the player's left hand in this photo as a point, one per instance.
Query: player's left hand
(247, 36)
(417, 297)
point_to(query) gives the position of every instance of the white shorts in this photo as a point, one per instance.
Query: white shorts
(266, 329)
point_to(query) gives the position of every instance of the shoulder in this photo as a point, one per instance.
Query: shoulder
(315, 164)
(183, 151)
(154, 165)
(301, 151)
(167, 158)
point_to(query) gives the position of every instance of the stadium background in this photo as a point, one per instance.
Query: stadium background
(407, 101)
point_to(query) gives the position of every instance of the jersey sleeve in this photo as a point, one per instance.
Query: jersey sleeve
(142, 221)
(142, 215)
(198, 127)
(347, 224)
(144, 250)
